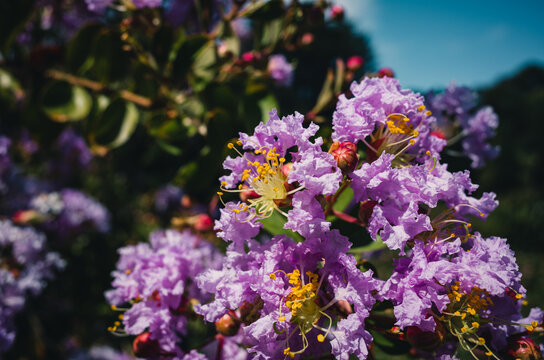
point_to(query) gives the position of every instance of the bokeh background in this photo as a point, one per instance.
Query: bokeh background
(188, 105)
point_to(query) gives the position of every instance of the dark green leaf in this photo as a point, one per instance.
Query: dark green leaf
(63, 102)
(114, 127)
(78, 53)
(274, 225)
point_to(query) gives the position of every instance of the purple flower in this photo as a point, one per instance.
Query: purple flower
(98, 6)
(157, 279)
(266, 174)
(295, 296)
(25, 265)
(280, 70)
(400, 194)
(73, 155)
(393, 119)
(71, 212)
(454, 109)
(479, 129)
(168, 198)
(464, 287)
(140, 4)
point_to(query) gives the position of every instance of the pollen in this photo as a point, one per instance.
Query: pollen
(320, 338)
(272, 276)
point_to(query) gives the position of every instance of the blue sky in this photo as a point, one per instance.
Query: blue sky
(429, 43)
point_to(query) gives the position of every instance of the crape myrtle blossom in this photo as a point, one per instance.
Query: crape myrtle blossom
(280, 70)
(455, 109)
(280, 160)
(388, 119)
(473, 289)
(70, 212)
(25, 265)
(156, 280)
(297, 289)
(400, 193)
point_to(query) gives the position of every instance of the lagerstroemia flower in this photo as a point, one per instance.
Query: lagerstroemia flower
(69, 212)
(467, 288)
(388, 119)
(400, 193)
(455, 109)
(25, 265)
(280, 161)
(280, 70)
(157, 278)
(294, 287)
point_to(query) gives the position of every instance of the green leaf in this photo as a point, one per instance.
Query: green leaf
(114, 127)
(274, 225)
(272, 32)
(78, 52)
(203, 66)
(63, 102)
(390, 346)
(343, 200)
(266, 104)
(264, 10)
(186, 55)
(10, 89)
(13, 15)
(111, 62)
(373, 246)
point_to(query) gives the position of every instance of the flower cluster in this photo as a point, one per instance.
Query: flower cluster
(25, 265)
(315, 297)
(458, 119)
(155, 292)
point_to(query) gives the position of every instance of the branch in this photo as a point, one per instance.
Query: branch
(99, 87)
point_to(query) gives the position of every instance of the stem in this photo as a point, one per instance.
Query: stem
(345, 183)
(99, 87)
(347, 218)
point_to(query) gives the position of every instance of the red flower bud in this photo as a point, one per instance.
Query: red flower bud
(523, 348)
(354, 63)
(345, 155)
(439, 134)
(228, 324)
(145, 347)
(386, 72)
(307, 38)
(337, 12)
(203, 222)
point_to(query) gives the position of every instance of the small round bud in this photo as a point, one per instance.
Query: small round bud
(523, 348)
(354, 63)
(203, 222)
(386, 72)
(337, 12)
(145, 347)
(438, 134)
(345, 154)
(228, 324)
(307, 39)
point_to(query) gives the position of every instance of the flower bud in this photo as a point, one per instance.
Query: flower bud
(337, 12)
(249, 194)
(228, 324)
(438, 133)
(307, 38)
(426, 340)
(354, 63)
(523, 348)
(365, 211)
(27, 217)
(345, 154)
(386, 72)
(203, 222)
(145, 347)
